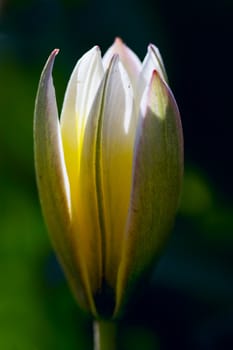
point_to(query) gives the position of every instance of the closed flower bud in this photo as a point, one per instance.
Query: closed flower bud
(109, 171)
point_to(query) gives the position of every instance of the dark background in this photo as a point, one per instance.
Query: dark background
(189, 302)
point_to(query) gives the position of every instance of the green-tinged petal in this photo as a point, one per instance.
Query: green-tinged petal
(157, 175)
(53, 184)
(128, 58)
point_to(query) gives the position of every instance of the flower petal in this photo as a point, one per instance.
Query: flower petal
(157, 175)
(152, 61)
(128, 58)
(110, 130)
(116, 155)
(80, 95)
(53, 183)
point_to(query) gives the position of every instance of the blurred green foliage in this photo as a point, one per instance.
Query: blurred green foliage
(189, 301)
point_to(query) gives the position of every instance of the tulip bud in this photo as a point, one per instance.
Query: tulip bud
(109, 171)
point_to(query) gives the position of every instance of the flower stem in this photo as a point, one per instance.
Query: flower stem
(104, 335)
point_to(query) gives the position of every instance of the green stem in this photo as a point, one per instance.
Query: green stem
(104, 335)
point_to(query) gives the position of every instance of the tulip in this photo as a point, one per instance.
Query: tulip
(109, 171)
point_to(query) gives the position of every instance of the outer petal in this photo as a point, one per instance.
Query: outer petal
(157, 175)
(53, 184)
(129, 59)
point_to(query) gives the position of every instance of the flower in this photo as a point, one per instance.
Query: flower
(109, 171)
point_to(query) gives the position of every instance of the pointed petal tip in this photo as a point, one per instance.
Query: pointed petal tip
(154, 58)
(154, 73)
(118, 41)
(154, 49)
(52, 57)
(55, 52)
(119, 45)
(151, 46)
(96, 48)
(94, 51)
(47, 70)
(155, 96)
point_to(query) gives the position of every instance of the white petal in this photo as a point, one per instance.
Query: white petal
(152, 61)
(128, 58)
(80, 94)
(158, 58)
(89, 76)
(114, 138)
(118, 131)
